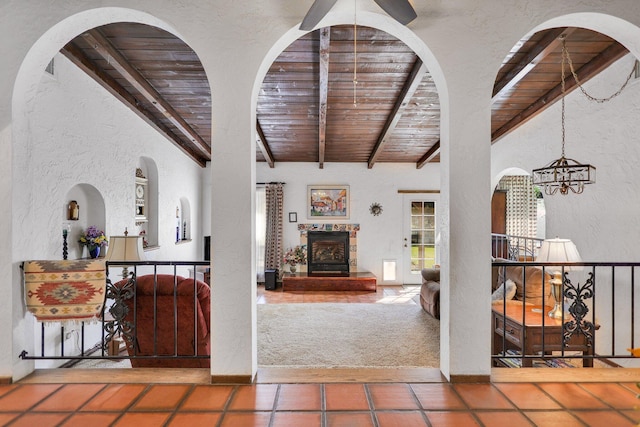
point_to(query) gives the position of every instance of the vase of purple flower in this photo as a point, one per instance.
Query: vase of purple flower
(93, 238)
(94, 251)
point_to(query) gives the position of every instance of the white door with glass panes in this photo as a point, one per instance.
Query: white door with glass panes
(421, 237)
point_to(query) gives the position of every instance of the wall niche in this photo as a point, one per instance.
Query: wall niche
(90, 211)
(183, 221)
(146, 192)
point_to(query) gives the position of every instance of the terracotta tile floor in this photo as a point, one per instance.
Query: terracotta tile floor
(303, 405)
(322, 404)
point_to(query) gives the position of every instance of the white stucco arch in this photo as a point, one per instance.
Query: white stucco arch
(508, 171)
(617, 28)
(23, 173)
(373, 20)
(534, 146)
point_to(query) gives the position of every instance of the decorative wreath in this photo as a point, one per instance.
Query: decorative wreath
(375, 209)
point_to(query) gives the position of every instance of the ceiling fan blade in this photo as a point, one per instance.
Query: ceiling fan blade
(318, 10)
(400, 10)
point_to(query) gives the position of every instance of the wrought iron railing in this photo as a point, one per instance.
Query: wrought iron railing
(517, 248)
(597, 316)
(597, 322)
(118, 320)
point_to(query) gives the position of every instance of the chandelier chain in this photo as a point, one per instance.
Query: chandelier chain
(355, 53)
(565, 52)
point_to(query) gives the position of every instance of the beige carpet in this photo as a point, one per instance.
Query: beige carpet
(347, 335)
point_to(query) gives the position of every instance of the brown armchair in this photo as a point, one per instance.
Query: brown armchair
(193, 331)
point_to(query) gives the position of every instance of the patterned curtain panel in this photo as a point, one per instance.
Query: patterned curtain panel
(273, 238)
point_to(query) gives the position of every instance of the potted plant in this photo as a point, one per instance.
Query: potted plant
(93, 238)
(294, 256)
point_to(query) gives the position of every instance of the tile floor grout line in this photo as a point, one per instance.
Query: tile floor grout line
(518, 408)
(29, 409)
(596, 396)
(176, 409)
(563, 407)
(274, 407)
(469, 410)
(79, 408)
(234, 391)
(372, 409)
(422, 410)
(323, 406)
(574, 412)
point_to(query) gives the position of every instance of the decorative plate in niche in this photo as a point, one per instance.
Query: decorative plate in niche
(375, 209)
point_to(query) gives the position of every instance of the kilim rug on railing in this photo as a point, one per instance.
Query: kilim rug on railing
(64, 290)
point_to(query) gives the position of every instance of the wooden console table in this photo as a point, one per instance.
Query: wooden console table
(356, 281)
(527, 336)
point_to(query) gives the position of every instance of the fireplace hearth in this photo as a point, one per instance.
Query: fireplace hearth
(328, 253)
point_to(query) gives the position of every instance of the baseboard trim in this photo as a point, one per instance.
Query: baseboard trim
(6, 380)
(232, 379)
(470, 379)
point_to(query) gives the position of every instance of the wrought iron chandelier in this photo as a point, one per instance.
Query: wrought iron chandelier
(564, 174)
(567, 174)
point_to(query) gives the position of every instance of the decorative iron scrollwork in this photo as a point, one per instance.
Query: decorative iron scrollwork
(119, 311)
(579, 310)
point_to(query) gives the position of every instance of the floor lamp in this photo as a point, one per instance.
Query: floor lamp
(558, 250)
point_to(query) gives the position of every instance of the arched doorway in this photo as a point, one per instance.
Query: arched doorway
(535, 144)
(517, 217)
(83, 151)
(282, 62)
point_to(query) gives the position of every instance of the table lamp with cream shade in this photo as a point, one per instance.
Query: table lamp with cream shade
(558, 250)
(125, 249)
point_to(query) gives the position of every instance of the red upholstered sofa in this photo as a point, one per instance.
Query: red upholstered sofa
(192, 327)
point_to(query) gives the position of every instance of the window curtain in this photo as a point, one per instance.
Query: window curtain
(261, 231)
(273, 237)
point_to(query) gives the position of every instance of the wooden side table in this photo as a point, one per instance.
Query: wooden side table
(524, 332)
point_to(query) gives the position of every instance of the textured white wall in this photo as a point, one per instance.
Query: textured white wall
(82, 134)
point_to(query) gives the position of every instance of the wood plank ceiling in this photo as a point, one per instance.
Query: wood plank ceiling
(309, 109)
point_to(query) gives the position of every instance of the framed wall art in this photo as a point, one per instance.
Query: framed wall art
(328, 201)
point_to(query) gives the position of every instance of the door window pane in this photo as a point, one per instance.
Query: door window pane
(423, 236)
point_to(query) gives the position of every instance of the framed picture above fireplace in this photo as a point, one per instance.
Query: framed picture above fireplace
(328, 201)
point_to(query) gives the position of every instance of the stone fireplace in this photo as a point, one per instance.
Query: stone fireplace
(327, 248)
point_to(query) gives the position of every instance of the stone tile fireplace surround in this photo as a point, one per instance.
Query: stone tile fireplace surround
(353, 241)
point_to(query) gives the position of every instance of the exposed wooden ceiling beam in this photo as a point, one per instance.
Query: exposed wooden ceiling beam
(429, 155)
(103, 47)
(410, 86)
(77, 57)
(586, 72)
(264, 146)
(543, 48)
(323, 87)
